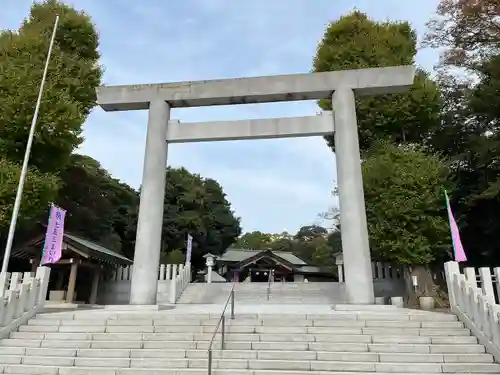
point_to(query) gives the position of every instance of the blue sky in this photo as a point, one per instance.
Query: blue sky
(273, 185)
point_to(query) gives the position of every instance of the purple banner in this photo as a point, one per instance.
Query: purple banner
(458, 249)
(52, 249)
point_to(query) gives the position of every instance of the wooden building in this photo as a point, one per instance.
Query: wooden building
(259, 265)
(75, 277)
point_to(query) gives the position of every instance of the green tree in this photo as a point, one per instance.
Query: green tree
(173, 257)
(97, 204)
(69, 93)
(472, 132)
(68, 97)
(308, 240)
(196, 206)
(40, 189)
(254, 240)
(353, 42)
(406, 213)
(323, 256)
(467, 32)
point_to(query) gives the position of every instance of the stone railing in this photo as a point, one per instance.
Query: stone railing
(475, 306)
(380, 271)
(179, 282)
(22, 295)
(165, 272)
(172, 280)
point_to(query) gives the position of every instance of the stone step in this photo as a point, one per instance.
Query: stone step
(341, 315)
(450, 347)
(251, 322)
(233, 364)
(156, 341)
(380, 338)
(106, 371)
(31, 356)
(246, 329)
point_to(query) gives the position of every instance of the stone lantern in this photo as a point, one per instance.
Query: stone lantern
(209, 262)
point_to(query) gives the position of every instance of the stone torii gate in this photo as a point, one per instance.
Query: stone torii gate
(340, 86)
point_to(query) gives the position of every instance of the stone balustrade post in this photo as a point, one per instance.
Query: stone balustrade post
(4, 281)
(172, 289)
(3, 310)
(13, 298)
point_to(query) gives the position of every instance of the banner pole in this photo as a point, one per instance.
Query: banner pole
(24, 170)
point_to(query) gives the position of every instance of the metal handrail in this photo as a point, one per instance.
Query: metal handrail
(222, 320)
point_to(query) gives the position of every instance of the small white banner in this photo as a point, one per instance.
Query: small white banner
(189, 248)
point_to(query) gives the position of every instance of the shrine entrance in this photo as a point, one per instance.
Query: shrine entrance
(341, 87)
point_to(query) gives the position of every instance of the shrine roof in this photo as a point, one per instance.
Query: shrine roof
(240, 255)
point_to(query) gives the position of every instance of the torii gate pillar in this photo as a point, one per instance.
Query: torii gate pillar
(341, 86)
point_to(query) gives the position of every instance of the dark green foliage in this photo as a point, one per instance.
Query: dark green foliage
(195, 206)
(69, 93)
(97, 204)
(354, 42)
(406, 213)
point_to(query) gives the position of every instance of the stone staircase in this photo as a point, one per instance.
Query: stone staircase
(255, 293)
(347, 340)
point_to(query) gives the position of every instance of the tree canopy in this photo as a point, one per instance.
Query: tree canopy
(69, 92)
(97, 204)
(68, 97)
(466, 32)
(196, 206)
(313, 244)
(402, 228)
(99, 207)
(404, 190)
(467, 35)
(353, 42)
(40, 189)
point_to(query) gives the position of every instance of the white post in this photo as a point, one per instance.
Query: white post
(4, 280)
(162, 272)
(15, 281)
(354, 232)
(34, 291)
(3, 310)
(387, 271)
(173, 290)
(13, 298)
(174, 271)
(209, 275)
(487, 283)
(340, 272)
(119, 273)
(451, 269)
(24, 169)
(169, 272)
(470, 275)
(43, 274)
(380, 272)
(27, 275)
(496, 272)
(144, 285)
(23, 299)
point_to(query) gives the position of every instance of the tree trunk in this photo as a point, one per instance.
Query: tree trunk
(426, 285)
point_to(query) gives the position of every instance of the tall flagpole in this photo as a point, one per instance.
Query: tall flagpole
(24, 170)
